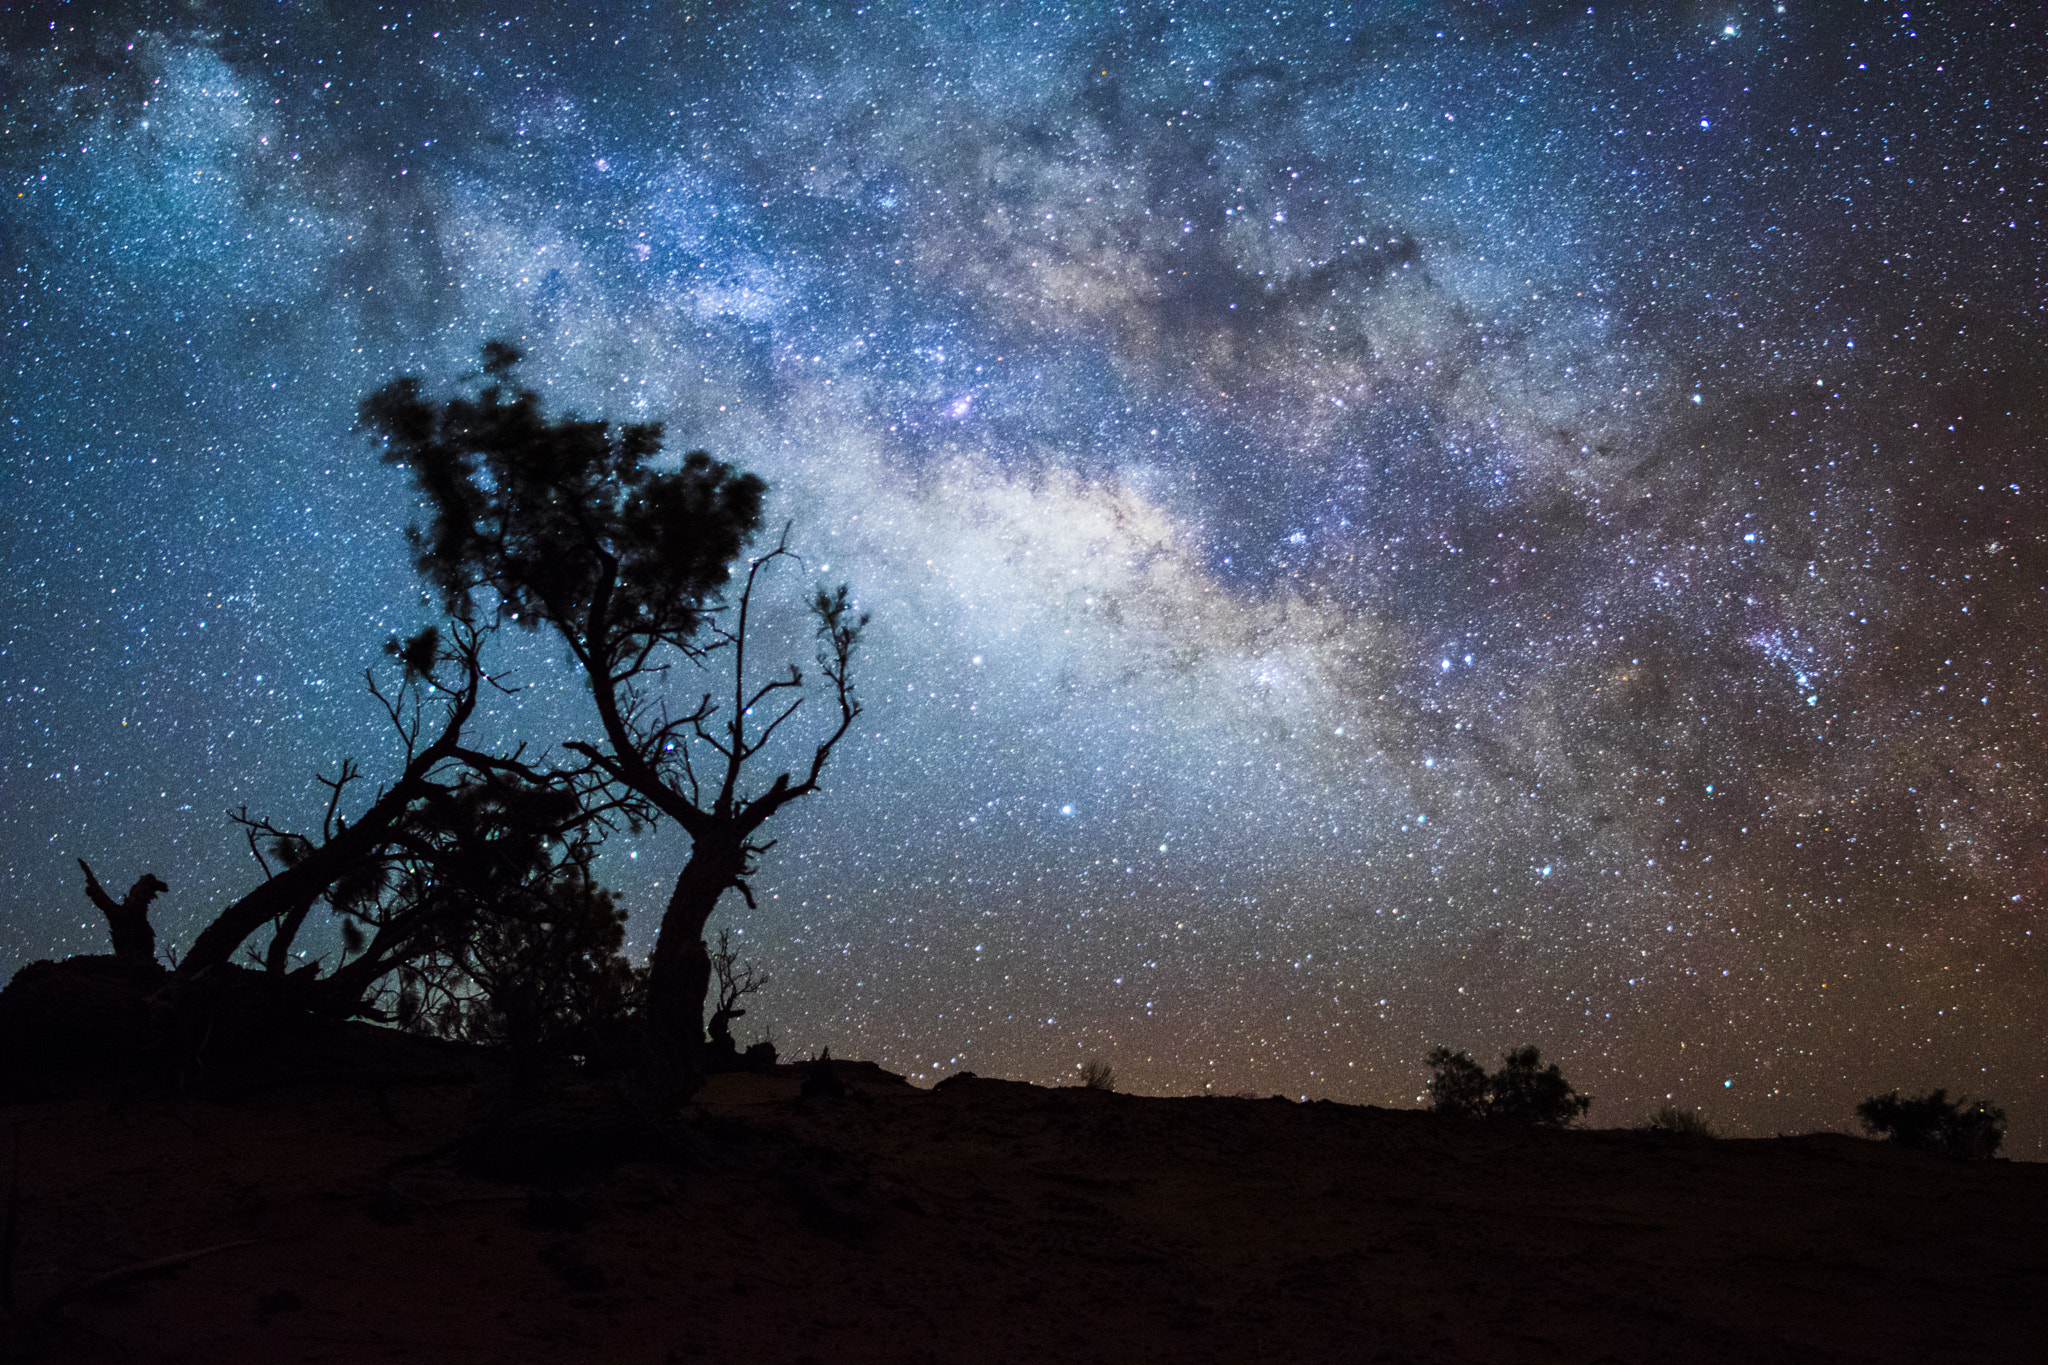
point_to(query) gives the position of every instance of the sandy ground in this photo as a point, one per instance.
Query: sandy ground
(985, 1221)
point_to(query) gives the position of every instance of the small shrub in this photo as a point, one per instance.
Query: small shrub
(1096, 1075)
(535, 969)
(1672, 1119)
(1969, 1130)
(1519, 1092)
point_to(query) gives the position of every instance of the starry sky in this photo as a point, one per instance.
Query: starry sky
(1408, 524)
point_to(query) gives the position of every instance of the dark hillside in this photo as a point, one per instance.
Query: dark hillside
(983, 1221)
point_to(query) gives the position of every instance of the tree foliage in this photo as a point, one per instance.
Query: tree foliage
(482, 838)
(515, 942)
(1520, 1092)
(441, 680)
(1970, 1130)
(565, 522)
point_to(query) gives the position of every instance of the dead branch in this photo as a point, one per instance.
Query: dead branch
(127, 920)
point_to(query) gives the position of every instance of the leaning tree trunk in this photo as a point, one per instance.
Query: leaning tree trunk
(671, 1064)
(294, 889)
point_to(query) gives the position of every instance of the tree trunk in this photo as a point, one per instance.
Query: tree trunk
(679, 977)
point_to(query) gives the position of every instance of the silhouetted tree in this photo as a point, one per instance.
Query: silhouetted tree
(1520, 1092)
(531, 962)
(1458, 1086)
(128, 919)
(1970, 1130)
(565, 525)
(486, 910)
(389, 873)
(736, 981)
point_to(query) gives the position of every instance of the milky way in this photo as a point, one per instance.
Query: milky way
(1382, 528)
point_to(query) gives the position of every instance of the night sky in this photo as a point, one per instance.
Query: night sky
(1471, 524)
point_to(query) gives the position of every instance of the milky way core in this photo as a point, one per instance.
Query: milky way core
(1383, 528)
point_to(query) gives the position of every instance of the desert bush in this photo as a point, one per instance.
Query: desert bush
(1672, 1119)
(1520, 1092)
(1096, 1075)
(1969, 1130)
(535, 968)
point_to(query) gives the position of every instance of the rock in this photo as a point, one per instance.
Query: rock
(87, 1015)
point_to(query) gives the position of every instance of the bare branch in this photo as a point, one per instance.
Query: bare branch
(769, 729)
(330, 825)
